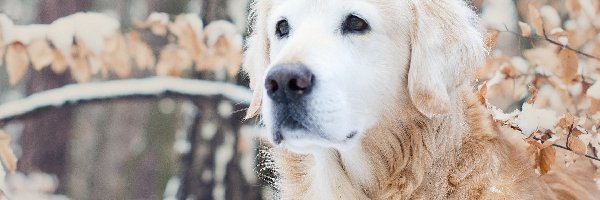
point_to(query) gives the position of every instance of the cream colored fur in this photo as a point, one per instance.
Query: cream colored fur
(431, 139)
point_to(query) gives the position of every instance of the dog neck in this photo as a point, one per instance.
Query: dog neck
(391, 158)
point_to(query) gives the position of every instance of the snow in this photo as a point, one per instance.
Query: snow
(564, 40)
(35, 185)
(499, 115)
(25, 34)
(499, 14)
(594, 91)
(223, 156)
(182, 146)
(18, 33)
(153, 86)
(520, 64)
(550, 17)
(532, 119)
(225, 109)
(496, 79)
(159, 17)
(61, 34)
(494, 189)
(195, 22)
(93, 28)
(90, 27)
(209, 130)
(172, 187)
(219, 28)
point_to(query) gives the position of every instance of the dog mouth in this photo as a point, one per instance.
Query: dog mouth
(296, 124)
(291, 129)
(288, 121)
(279, 138)
(290, 124)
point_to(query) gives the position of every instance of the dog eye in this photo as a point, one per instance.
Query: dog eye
(354, 24)
(282, 29)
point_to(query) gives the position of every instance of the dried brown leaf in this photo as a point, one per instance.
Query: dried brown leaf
(482, 92)
(525, 29)
(59, 64)
(569, 63)
(255, 105)
(17, 62)
(576, 145)
(546, 158)
(156, 26)
(508, 71)
(172, 61)
(216, 56)
(534, 93)
(115, 55)
(533, 150)
(536, 19)
(40, 53)
(573, 8)
(566, 121)
(594, 106)
(491, 39)
(492, 64)
(188, 38)
(80, 69)
(543, 56)
(158, 29)
(140, 52)
(96, 64)
(234, 64)
(6, 153)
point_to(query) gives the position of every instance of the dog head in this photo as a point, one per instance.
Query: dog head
(325, 71)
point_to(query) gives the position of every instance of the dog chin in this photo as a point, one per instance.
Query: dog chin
(305, 142)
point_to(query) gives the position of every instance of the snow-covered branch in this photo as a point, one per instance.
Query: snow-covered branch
(155, 86)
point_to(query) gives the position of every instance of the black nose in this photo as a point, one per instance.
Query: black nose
(288, 82)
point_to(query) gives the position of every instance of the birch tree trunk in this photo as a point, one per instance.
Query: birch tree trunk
(45, 139)
(216, 169)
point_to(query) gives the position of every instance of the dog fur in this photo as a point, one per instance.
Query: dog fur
(425, 136)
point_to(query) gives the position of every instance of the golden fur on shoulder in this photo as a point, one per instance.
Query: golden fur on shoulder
(415, 159)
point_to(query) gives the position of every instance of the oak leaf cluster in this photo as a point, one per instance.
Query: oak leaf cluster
(548, 90)
(88, 44)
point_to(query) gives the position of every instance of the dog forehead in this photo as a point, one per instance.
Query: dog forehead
(304, 8)
(378, 13)
(321, 7)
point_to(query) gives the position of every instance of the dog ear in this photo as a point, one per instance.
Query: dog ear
(256, 56)
(446, 47)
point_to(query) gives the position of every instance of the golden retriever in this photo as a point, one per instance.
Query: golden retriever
(372, 99)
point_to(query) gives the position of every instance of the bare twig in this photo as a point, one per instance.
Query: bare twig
(546, 38)
(569, 149)
(556, 145)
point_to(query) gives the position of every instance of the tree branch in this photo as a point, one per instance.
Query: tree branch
(100, 91)
(546, 38)
(516, 128)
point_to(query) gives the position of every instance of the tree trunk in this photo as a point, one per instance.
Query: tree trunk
(214, 168)
(45, 139)
(214, 10)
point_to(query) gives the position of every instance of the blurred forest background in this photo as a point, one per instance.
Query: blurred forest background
(178, 144)
(137, 147)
